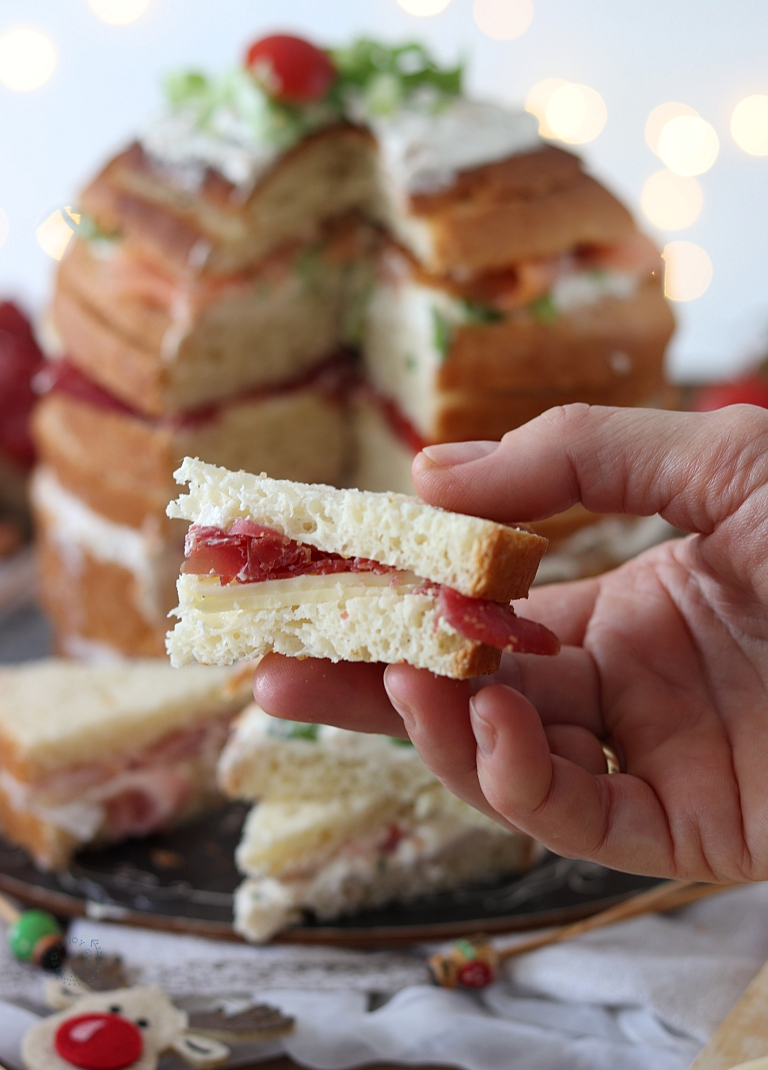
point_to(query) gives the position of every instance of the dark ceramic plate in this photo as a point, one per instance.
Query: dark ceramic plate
(183, 880)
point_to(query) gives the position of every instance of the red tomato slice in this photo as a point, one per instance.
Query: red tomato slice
(290, 69)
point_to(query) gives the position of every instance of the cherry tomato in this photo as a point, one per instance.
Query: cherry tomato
(750, 390)
(290, 69)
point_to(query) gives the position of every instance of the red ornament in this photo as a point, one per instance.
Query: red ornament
(99, 1041)
(475, 974)
(290, 69)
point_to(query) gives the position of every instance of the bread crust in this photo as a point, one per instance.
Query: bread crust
(217, 229)
(463, 416)
(490, 223)
(130, 480)
(244, 340)
(122, 367)
(98, 602)
(50, 847)
(591, 347)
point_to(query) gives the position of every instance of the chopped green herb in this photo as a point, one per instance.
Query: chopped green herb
(308, 265)
(474, 312)
(543, 309)
(293, 730)
(397, 742)
(442, 333)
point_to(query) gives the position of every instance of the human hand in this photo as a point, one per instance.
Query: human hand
(666, 656)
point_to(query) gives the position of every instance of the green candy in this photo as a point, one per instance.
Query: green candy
(31, 926)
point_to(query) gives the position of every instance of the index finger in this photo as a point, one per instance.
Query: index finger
(695, 469)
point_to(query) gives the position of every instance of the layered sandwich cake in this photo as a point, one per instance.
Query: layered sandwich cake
(311, 266)
(346, 821)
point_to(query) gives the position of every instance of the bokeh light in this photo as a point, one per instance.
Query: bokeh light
(575, 113)
(688, 271)
(749, 125)
(503, 20)
(55, 232)
(27, 59)
(537, 100)
(688, 145)
(118, 12)
(423, 8)
(670, 201)
(3, 227)
(659, 118)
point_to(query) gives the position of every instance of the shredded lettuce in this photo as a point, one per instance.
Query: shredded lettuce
(384, 77)
(235, 106)
(373, 80)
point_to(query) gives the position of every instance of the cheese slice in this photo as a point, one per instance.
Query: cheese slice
(207, 595)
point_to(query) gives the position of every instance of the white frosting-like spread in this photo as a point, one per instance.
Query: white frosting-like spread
(78, 530)
(423, 150)
(227, 145)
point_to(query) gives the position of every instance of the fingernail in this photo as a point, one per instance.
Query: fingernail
(401, 706)
(485, 733)
(450, 453)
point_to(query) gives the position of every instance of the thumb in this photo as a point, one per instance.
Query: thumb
(693, 468)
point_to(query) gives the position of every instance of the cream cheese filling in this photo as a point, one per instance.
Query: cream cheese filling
(78, 530)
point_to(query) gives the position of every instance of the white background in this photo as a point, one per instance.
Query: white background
(704, 53)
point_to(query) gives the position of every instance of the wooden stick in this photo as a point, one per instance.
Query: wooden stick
(743, 1035)
(474, 962)
(8, 911)
(667, 896)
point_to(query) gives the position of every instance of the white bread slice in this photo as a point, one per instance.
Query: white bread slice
(347, 821)
(342, 617)
(436, 854)
(479, 558)
(79, 744)
(55, 713)
(267, 758)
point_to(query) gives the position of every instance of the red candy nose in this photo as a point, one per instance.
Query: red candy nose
(99, 1041)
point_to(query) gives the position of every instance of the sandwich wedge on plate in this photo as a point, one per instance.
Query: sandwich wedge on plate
(348, 820)
(91, 754)
(310, 571)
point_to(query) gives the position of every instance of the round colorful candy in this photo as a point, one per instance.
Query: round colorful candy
(28, 930)
(99, 1041)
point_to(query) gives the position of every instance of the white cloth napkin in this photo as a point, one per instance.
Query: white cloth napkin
(643, 995)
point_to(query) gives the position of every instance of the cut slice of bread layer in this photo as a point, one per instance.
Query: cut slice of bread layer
(347, 821)
(343, 617)
(479, 558)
